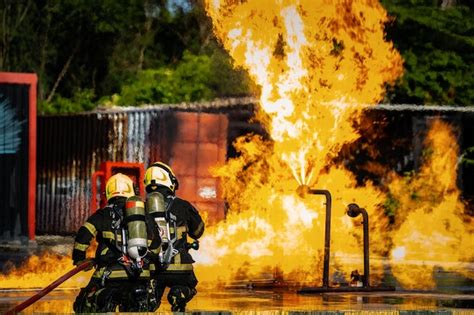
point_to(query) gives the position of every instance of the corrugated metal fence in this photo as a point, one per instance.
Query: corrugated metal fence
(194, 138)
(71, 148)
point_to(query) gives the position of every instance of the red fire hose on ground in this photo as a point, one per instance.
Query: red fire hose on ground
(86, 264)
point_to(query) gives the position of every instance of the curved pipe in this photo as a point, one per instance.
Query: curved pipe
(353, 210)
(302, 191)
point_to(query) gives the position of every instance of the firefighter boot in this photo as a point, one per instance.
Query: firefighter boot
(179, 296)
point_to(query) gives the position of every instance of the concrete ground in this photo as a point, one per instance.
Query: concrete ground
(256, 302)
(242, 300)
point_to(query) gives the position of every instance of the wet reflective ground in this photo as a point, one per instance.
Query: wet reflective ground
(60, 301)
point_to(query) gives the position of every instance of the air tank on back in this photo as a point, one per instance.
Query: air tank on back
(136, 226)
(156, 207)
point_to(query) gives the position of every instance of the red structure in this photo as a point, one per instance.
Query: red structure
(72, 147)
(31, 80)
(200, 143)
(135, 171)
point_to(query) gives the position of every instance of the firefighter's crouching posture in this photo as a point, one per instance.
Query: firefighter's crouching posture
(176, 219)
(128, 242)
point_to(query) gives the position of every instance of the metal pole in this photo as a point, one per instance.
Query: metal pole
(365, 222)
(353, 210)
(327, 233)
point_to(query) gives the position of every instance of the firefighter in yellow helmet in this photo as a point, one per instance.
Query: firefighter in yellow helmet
(128, 241)
(177, 220)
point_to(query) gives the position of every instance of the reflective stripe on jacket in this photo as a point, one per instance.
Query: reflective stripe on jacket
(109, 242)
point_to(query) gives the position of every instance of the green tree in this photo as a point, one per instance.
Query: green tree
(437, 44)
(194, 78)
(86, 50)
(165, 85)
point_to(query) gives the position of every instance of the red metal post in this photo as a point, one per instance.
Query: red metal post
(107, 169)
(95, 175)
(32, 161)
(110, 168)
(30, 79)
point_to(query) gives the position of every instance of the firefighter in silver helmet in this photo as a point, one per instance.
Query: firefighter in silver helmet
(128, 241)
(177, 220)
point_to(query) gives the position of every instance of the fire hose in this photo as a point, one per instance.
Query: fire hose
(86, 264)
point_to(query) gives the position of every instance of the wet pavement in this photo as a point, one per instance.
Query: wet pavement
(60, 301)
(454, 295)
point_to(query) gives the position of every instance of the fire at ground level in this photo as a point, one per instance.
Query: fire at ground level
(454, 292)
(60, 301)
(453, 295)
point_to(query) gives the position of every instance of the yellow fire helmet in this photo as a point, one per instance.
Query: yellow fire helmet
(119, 185)
(160, 174)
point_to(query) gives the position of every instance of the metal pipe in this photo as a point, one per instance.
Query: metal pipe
(353, 211)
(365, 222)
(327, 233)
(303, 190)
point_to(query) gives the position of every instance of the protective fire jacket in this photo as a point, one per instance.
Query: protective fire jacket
(105, 226)
(188, 222)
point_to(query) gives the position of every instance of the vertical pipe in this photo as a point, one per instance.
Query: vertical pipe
(327, 233)
(353, 210)
(365, 223)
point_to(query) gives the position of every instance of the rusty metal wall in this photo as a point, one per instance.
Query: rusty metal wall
(71, 148)
(191, 139)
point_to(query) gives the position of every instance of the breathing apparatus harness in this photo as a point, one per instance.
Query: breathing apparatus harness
(159, 209)
(168, 246)
(131, 247)
(161, 184)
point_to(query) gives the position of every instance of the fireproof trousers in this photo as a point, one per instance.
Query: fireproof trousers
(127, 295)
(182, 286)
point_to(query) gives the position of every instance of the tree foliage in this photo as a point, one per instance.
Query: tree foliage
(187, 82)
(195, 78)
(437, 44)
(130, 52)
(84, 51)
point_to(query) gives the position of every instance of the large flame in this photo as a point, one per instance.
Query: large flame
(433, 231)
(316, 63)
